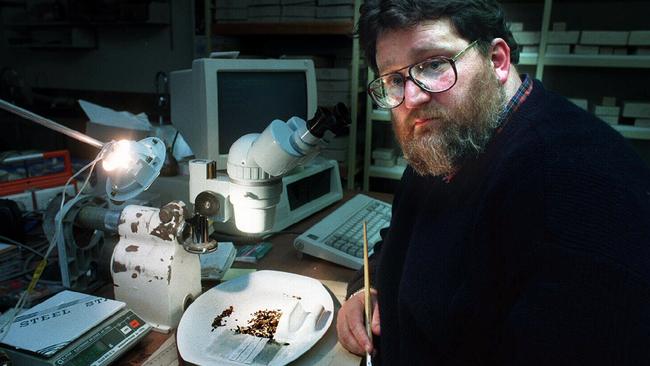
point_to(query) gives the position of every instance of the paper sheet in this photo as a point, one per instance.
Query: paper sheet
(108, 117)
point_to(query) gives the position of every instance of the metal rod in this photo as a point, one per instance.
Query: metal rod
(50, 124)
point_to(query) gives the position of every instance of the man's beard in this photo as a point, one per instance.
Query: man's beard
(458, 134)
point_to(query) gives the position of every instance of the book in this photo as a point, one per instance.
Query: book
(251, 253)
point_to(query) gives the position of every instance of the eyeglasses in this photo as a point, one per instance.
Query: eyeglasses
(435, 75)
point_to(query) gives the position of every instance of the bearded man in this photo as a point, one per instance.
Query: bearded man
(520, 232)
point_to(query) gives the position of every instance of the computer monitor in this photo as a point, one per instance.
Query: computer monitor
(220, 100)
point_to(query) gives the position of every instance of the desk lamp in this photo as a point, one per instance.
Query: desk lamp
(131, 166)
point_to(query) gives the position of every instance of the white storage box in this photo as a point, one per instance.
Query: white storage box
(604, 38)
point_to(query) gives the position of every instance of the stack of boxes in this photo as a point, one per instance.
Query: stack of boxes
(264, 11)
(640, 40)
(560, 39)
(333, 86)
(298, 10)
(639, 111)
(603, 43)
(608, 111)
(383, 157)
(229, 11)
(337, 149)
(275, 11)
(635, 113)
(335, 9)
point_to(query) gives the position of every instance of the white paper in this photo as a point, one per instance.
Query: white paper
(108, 117)
(70, 313)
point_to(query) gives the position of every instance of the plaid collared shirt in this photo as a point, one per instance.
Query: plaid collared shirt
(518, 99)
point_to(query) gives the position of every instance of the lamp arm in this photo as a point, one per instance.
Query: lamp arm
(50, 124)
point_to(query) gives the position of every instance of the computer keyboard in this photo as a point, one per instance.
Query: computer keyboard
(338, 237)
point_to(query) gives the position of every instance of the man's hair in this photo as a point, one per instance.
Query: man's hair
(481, 20)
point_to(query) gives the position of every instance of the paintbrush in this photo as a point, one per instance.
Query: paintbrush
(366, 290)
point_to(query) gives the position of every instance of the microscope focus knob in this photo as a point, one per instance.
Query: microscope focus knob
(206, 203)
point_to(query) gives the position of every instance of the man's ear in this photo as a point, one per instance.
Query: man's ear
(500, 58)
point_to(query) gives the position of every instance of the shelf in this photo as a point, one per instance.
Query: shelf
(344, 27)
(394, 172)
(622, 61)
(632, 132)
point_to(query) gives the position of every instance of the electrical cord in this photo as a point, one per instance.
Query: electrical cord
(21, 245)
(58, 237)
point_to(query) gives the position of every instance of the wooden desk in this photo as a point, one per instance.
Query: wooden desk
(283, 257)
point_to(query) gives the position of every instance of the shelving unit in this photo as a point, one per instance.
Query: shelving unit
(335, 28)
(76, 26)
(540, 61)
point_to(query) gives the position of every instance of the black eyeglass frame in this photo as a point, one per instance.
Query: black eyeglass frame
(450, 60)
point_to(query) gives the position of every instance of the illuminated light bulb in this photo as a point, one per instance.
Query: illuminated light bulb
(120, 157)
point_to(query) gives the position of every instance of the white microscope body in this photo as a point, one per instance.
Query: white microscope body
(251, 191)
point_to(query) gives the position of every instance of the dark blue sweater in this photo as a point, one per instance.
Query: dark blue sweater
(536, 253)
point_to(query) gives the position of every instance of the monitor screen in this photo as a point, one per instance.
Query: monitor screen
(219, 100)
(250, 100)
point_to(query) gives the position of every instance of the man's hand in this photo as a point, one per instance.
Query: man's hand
(351, 327)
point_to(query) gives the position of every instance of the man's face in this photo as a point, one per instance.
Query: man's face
(439, 131)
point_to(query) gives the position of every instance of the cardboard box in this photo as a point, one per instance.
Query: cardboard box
(609, 101)
(264, 11)
(642, 122)
(530, 49)
(385, 153)
(231, 14)
(299, 11)
(331, 98)
(335, 2)
(526, 38)
(558, 49)
(563, 37)
(263, 2)
(580, 49)
(229, 4)
(639, 38)
(335, 12)
(516, 26)
(604, 110)
(605, 50)
(612, 120)
(386, 163)
(582, 103)
(644, 51)
(558, 26)
(333, 85)
(332, 74)
(636, 109)
(301, 2)
(604, 38)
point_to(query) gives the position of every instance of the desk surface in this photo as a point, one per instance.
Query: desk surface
(283, 257)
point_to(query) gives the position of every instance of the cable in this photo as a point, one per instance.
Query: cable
(4, 329)
(21, 245)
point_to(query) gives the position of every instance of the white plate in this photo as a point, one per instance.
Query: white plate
(306, 306)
